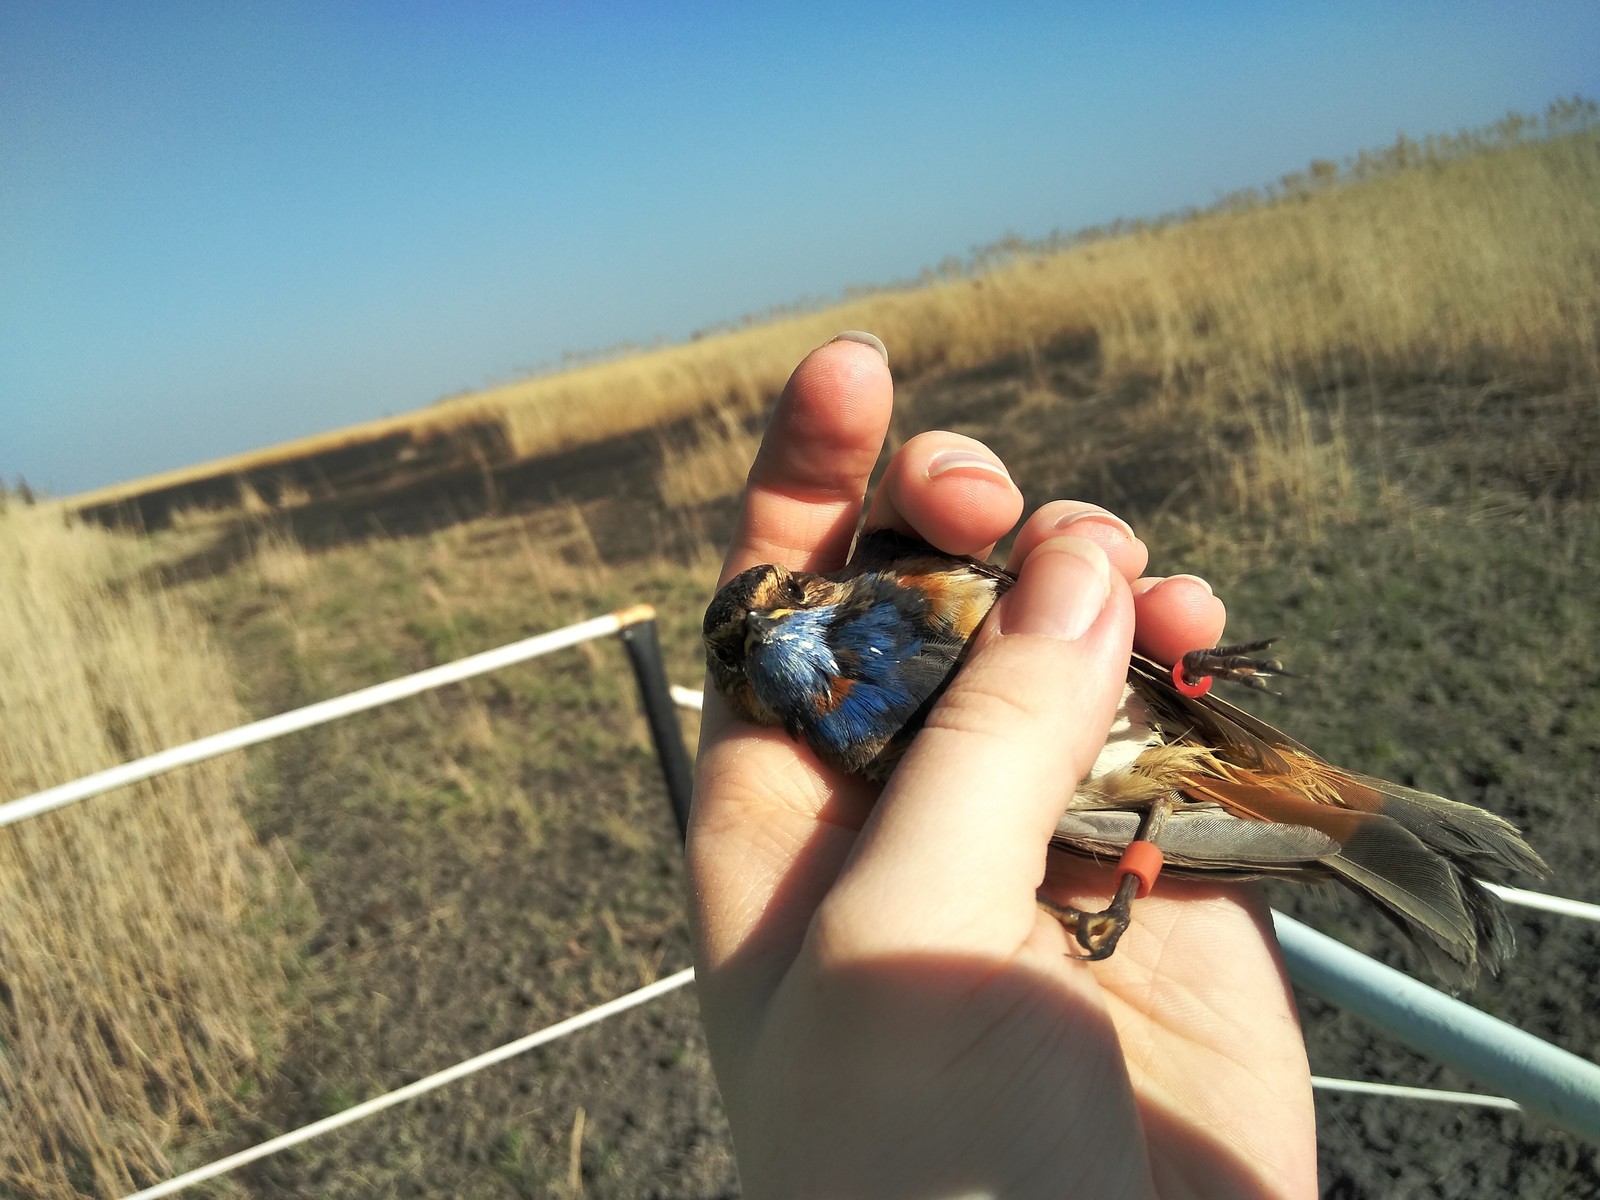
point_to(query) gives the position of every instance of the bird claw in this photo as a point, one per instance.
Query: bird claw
(1097, 932)
(1235, 664)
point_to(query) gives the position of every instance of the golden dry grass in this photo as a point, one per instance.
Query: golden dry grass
(140, 978)
(1491, 257)
(278, 560)
(716, 465)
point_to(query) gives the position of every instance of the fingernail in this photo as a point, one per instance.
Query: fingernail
(946, 461)
(1194, 579)
(1093, 512)
(1062, 590)
(866, 339)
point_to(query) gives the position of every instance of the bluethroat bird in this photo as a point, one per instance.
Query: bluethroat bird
(852, 662)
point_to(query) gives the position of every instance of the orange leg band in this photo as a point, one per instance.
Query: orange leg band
(1181, 681)
(1144, 860)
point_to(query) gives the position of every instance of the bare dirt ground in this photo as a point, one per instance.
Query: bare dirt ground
(493, 858)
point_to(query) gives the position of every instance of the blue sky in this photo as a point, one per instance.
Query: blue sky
(225, 225)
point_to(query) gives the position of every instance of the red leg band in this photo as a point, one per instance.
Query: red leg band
(1181, 682)
(1143, 859)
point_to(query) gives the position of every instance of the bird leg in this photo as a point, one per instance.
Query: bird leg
(1099, 932)
(1233, 663)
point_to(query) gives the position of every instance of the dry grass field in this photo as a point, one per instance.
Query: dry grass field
(142, 941)
(1367, 407)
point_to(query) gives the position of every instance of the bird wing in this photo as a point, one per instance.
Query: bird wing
(889, 549)
(1199, 838)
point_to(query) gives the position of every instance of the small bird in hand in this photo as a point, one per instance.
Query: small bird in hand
(852, 662)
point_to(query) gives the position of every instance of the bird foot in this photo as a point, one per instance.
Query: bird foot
(1097, 932)
(1235, 664)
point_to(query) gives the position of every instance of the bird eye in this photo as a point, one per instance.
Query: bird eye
(791, 591)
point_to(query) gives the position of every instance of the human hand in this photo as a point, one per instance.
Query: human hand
(889, 1012)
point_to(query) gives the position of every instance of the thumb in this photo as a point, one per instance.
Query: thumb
(953, 853)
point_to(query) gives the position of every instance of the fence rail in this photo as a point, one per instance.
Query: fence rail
(1543, 1078)
(412, 1090)
(324, 711)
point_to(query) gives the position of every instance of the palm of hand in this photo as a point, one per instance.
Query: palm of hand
(1175, 1027)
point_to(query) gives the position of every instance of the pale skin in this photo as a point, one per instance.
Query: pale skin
(889, 1012)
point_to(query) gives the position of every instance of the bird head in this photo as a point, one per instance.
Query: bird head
(749, 612)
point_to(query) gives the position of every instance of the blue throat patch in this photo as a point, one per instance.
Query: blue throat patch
(843, 683)
(796, 664)
(879, 645)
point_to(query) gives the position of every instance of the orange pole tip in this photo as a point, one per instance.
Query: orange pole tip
(635, 614)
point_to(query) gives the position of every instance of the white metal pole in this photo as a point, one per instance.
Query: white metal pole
(1544, 902)
(687, 697)
(1400, 1091)
(1544, 1079)
(437, 1080)
(316, 714)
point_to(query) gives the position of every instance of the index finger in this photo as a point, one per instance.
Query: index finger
(803, 501)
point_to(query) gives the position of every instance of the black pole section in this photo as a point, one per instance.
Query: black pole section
(644, 652)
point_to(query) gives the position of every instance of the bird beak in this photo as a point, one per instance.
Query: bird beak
(758, 626)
